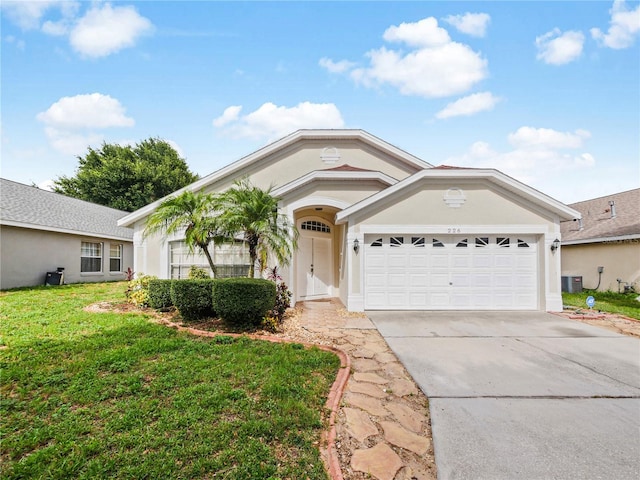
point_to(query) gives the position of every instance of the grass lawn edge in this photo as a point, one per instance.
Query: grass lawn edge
(328, 451)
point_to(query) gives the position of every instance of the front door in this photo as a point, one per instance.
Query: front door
(315, 269)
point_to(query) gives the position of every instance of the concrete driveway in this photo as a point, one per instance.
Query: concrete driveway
(523, 395)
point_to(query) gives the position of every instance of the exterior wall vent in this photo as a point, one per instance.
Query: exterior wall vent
(454, 197)
(330, 155)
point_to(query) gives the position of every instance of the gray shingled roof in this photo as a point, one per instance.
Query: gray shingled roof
(598, 223)
(30, 207)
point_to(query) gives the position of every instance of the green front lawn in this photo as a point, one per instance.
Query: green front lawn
(610, 302)
(106, 395)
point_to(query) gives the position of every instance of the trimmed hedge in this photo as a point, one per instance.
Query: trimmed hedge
(243, 301)
(160, 293)
(192, 298)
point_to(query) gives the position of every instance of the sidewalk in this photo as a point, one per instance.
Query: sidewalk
(382, 426)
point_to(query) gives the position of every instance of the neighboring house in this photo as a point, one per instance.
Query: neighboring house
(41, 231)
(383, 229)
(608, 236)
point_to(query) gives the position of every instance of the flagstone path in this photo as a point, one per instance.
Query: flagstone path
(383, 429)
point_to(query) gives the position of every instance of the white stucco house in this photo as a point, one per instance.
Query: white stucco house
(41, 231)
(382, 229)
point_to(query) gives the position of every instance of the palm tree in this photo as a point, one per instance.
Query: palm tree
(253, 213)
(193, 213)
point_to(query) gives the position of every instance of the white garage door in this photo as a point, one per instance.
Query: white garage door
(446, 272)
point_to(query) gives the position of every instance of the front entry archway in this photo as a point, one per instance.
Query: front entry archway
(314, 265)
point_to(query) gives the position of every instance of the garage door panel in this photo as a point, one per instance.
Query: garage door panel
(450, 273)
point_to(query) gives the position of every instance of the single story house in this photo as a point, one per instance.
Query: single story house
(41, 231)
(606, 238)
(383, 229)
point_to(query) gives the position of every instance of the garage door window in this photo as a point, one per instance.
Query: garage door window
(522, 244)
(397, 241)
(482, 241)
(417, 241)
(437, 243)
(502, 242)
(377, 242)
(462, 243)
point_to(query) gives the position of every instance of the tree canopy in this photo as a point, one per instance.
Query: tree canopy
(127, 177)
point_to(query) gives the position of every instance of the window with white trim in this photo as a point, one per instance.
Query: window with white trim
(230, 259)
(377, 242)
(436, 243)
(115, 258)
(396, 241)
(315, 226)
(417, 241)
(91, 257)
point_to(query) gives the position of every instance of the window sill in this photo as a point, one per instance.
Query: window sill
(92, 274)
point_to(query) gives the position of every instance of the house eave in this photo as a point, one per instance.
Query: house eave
(586, 241)
(558, 208)
(320, 175)
(31, 226)
(235, 167)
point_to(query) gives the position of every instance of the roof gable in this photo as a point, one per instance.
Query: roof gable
(615, 216)
(236, 169)
(30, 207)
(494, 176)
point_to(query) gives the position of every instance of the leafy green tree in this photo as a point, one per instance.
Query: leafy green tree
(253, 213)
(127, 177)
(194, 213)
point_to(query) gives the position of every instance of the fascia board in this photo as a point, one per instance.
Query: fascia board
(560, 209)
(325, 175)
(30, 226)
(243, 162)
(633, 236)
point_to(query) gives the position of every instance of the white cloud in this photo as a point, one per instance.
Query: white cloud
(434, 67)
(229, 115)
(46, 185)
(624, 27)
(93, 110)
(539, 157)
(271, 121)
(469, 105)
(27, 14)
(336, 67)
(177, 148)
(72, 142)
(474, 24)
(20, 44)
(70, 123)
(547, 138)
(425, 33)
(557, 48)
(105, 30)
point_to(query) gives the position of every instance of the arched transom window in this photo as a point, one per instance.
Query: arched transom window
(315, 226)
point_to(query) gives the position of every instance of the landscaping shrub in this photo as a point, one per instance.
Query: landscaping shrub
(160, 294)
(197, 272)
(138, 290)
(243, 301)
(192, 298)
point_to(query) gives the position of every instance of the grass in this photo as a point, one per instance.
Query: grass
(106, 395)
(610, 302)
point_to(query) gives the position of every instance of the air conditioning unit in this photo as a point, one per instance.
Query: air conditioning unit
(572, 284)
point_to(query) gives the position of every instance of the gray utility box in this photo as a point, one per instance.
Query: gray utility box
(572, 284)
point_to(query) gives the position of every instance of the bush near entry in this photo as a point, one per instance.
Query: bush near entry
(192, 298)
(160, 294)
(242, 301)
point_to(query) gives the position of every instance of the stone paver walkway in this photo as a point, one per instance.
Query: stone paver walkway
(382, 427)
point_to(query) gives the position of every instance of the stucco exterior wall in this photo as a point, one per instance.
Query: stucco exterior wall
(26, 255)
(425, 205)
(620, 260)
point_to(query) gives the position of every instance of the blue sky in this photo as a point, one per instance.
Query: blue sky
(547, 92)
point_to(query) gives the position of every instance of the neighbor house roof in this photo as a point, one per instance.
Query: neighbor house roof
(300, 135)
(30, 207)
(609, 218)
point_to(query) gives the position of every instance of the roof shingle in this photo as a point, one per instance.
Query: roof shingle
(598, 221)
(31, 207)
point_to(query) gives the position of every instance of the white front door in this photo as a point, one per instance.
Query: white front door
(314, 266)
